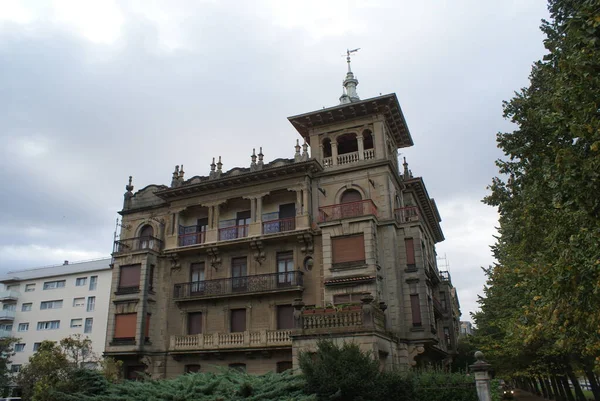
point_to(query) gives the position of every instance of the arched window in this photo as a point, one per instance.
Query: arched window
(146, 237)
(326, 147)
(351, 204)
(350, 195)
(347, 143)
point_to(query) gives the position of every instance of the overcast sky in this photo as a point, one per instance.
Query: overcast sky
(94, 91)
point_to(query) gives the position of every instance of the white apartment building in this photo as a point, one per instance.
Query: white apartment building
(51, 303)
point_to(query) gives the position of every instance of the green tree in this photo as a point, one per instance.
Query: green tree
(547, 251)
(6, 352)
(46, 368)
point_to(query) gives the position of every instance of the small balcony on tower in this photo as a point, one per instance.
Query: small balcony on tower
(145, 241)
(348, 148)
(351, 206)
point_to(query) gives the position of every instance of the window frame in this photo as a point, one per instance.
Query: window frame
(28, 287)
(46, 305)
(91, 304)
(53, 285)
(29, 305)
(26, 325)
(81, 281)
(74, 320)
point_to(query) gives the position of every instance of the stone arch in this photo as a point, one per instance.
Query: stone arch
(347, 143)
(146, 234)
(358, 188)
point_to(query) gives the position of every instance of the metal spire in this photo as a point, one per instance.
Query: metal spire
(350, 82)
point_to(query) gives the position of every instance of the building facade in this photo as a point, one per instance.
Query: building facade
(247, 267)
(466, 328)
(52, 303)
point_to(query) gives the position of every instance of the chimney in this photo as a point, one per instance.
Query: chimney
(66, 262)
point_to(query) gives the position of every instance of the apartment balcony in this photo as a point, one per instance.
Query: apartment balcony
(7, 315)
(347, 210)
(349, 158)
(359, 318)
(9, 295)
(234, 232)
(445, 275)
(237, 286)
(407, 214)
(6, 333)
(279, 226)
(227, 341)
(191, 238)
(137, 244)
(438, 307)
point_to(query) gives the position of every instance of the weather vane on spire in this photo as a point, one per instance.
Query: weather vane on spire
(350, 82)
(348, 53)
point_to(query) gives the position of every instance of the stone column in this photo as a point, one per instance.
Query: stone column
(259, 213)
(361, 147)
(253, 217)
(210, 217)
(298, 201)
(481, 369)
(305, 200)
(334, 154)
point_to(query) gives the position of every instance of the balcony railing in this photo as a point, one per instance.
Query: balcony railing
(347, 210)
(9, 295)
(368, 317)
(278, 226)
(137, 244)
(348, 158)
(6, 333)
(445, 275)
(245, 339)
(7, 314)
(233, 232)
(407, 214)
(192, 238)
(238, 285)
(437, 306)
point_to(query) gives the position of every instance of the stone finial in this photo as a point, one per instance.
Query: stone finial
(253, 158)
(129, 187)
(260, 158)
(219, 168)
(181, 173)
(305, 156)
(407, 174)
(175, 179)
(212, 173)
(128, 195)
(297, 155)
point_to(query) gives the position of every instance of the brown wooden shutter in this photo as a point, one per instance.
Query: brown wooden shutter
(125, 325)
(130, 276)
(348, 249)
(195, 323)
(350, 196)
(410, 251)
(285, 317)
(238, 320)
(415, 306)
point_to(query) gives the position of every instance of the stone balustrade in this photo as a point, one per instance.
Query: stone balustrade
(245, 339)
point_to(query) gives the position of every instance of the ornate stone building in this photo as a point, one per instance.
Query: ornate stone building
(246, 267)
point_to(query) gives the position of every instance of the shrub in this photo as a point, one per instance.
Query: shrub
(339, 372)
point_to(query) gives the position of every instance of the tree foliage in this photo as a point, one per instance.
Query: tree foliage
(6, 352)
(539, 312)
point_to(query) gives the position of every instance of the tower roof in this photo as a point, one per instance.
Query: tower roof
(387, 105)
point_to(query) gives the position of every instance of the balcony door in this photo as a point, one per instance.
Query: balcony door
(351, 206)
(197, 278)
(287, 214)
(146, 237)
(194, 323)
(242, 221)
(285, 268)
(239, 273)
(201, 227)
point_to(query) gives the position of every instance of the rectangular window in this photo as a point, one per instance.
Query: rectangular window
(129, 278)
(238, 273)
(76, 323)
(91, 304)
(349, 249)
(285, 317)
(26, 307)
(238, 320)
(415, 307)
(285, 268)
(23, 327)
(6, 327)
(11, 307)
(15, 368)
(36, 346)
(93, 282)
(49, 325)
(51, 285)
(29, 287)
(81, 281)
(78, 302)
(89, 322)
(409, 244)
(195, 323)
(51, 304)
(197, 277)
(125, 326)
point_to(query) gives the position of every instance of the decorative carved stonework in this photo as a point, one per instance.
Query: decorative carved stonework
(215, 258)
(175, 264)
(413, 351)
(259, 251)
(307, 243)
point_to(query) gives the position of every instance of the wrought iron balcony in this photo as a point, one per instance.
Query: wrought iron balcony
(445, 275)
(407, 214)
(234, 232)
(191, 238)
(278, 226)
(273, 282)
(347, 210)
(137, 244)
(245, 339)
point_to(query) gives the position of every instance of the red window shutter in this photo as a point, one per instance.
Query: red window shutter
(348, 249)
(285, 317)
(238, 320)
(195, 323)
(415, 306)
(125, 325)
(130, 276)
(410, 251)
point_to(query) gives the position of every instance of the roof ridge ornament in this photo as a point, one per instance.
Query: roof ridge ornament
(253, 162)
(349, 95)
(297, 155)
(260, 158)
